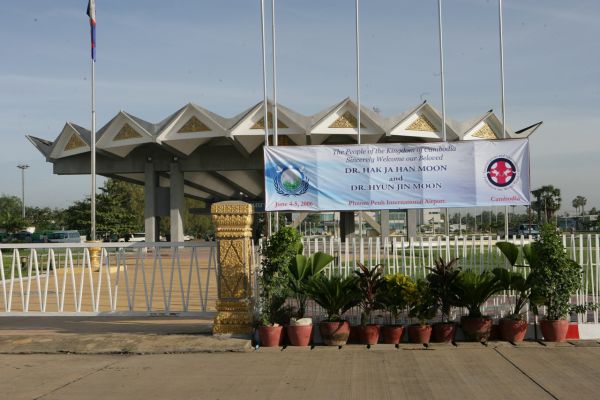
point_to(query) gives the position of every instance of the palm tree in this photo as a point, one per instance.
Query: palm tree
(579, 202)
(547, 200)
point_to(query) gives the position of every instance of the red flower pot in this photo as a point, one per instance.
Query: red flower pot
(270, 336)
(573, 331)
(513, 330)
(369, 334)
(476, 329)
(419, 333)
(443, 332)
(299, 335)
(392, 334)
(334, 333)
(554, 330)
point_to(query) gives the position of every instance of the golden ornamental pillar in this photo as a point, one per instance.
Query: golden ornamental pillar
(233, 225)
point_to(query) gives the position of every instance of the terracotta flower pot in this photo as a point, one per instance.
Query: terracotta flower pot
(369, 334)
(270, 336)
(299, 335)
(513, 330)
(392, 334)
(476, 329)
(554, 330)
(334, 333)
(419, 333)
(443, 332)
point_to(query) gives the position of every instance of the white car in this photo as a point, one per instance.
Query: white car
(138, 237)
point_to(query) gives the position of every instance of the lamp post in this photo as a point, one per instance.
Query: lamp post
(23, 167)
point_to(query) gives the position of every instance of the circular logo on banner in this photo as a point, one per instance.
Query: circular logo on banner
(501, 172)
(291, 181)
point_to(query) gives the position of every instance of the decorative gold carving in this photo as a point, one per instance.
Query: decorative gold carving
(261, 123)
(127, 132)
(485, 132)
(421, 124)
(233, 220)
(347, 120)
(74, 142)
(193, 125)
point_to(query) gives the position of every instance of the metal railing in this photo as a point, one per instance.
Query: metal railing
(413, 258)
(129, 278)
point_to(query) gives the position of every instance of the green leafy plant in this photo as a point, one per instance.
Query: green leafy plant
(335, 294)
(513, 280)
(398, 289)
(277, 254)
(369, 283)
(423, 304)
(300, 271)
(554, 276)
(441, 280)
(473, 289)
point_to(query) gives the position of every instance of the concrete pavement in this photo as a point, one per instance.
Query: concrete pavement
(36, 362)
(323, 373)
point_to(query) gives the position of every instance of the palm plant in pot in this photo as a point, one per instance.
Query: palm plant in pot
(277, 253)
(513, 326)
(441, 280)
(299, 273)
(369, 283)
(423, 307)
(336, 295)
(394, 296)
(473, 289)
(554, 278)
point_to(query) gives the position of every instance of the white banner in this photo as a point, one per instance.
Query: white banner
(397, 176)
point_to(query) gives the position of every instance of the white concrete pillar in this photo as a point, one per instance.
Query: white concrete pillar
(385, 223)
(176, 203)
(411, 216)
(150, 218)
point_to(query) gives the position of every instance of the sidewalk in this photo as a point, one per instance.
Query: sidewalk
(110, 335)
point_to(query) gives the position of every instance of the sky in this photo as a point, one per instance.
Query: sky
(154, 56)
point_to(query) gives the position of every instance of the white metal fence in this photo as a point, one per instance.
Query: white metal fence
(131, 278)
(413, 257)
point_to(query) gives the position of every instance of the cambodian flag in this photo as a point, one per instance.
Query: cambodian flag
(91, 12)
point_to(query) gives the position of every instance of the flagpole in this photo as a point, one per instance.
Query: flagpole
(357, 43)
(443, 90)
(91, 12)
(264, 73)
(275, 118)
(93, 150)
(502, 98)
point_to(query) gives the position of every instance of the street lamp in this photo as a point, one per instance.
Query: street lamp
(23, 167)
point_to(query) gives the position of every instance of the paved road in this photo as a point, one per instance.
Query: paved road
(467, 372)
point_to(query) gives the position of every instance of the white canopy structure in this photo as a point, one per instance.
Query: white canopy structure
(195, 152)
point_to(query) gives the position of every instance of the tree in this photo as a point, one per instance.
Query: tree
(10, 213)
(117, 211)
(547, 201)
(579, 202)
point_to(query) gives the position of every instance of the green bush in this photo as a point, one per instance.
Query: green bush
(277, 253)
(554, 276)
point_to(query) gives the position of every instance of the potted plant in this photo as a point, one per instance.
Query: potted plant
(473, 289)
(277, 253)
(441, 280)
(369, 283)
(395, 295)
(299, 272)
(555, 278)
(423, 307)
(513, 326)
(336, 295)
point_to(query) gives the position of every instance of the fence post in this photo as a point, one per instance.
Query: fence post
(233, 220)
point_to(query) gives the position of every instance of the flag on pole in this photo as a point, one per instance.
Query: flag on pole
(91, 12)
